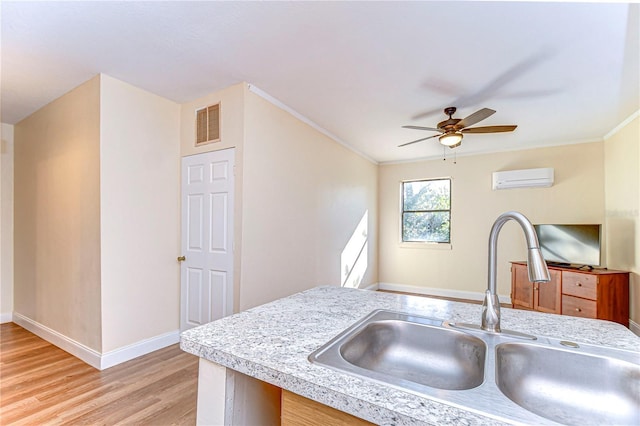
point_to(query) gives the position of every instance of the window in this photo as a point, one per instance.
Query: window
(426, 211)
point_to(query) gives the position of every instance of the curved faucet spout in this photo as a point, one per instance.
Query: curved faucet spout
(536, 265)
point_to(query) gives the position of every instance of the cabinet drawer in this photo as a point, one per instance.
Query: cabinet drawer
(580, 285)
(577, 307)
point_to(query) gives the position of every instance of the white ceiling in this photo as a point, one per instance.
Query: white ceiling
(563, 72)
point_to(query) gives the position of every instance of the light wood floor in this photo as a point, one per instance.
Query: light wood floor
(41, 384)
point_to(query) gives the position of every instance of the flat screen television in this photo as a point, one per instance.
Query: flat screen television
(570, 245)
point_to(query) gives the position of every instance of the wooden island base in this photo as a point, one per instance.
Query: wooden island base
(300, 411)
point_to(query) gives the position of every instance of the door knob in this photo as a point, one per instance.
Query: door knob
(181, 258)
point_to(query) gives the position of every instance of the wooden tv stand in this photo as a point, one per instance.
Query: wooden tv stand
(599, 293)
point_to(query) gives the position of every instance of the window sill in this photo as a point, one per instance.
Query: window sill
(428, 246)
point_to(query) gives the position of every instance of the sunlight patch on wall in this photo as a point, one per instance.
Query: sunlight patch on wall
(353, 260)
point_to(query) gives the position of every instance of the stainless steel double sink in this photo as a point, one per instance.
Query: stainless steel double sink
(539, 381)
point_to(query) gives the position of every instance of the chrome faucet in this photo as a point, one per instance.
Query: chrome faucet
(536, 266)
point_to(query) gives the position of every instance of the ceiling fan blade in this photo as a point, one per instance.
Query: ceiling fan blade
(433, 129)
(418, 140)
(475, 117)
(463, 98)
(489, 129)
(426, 114)
(528, 94)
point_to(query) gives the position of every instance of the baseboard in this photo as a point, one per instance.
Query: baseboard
(635, 327)
(77, 349)
(6, 317)
(372, 287)
(428, 291)
(143, 347)
(92, 357)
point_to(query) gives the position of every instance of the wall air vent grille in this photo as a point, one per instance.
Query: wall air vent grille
(208, 124)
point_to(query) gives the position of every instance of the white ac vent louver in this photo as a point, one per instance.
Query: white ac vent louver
(208, 124)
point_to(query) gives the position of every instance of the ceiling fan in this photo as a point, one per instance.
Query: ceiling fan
(452, 130)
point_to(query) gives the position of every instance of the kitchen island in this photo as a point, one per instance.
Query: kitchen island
(272, 342)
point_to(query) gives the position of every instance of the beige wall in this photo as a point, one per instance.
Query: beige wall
(57, 215)
(231, 102)
(97, 208)
(140, 214)
(232, 121)
(6, 223)
(622, 203)
(105, 275)
(576, 197)
(304, 196)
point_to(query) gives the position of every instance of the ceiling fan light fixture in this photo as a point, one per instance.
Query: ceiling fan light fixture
(451, 139)
(451, 130)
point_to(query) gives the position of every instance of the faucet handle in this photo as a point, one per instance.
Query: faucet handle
(491, 312)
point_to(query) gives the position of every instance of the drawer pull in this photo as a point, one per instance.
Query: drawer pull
(578, 310)
(578, 284)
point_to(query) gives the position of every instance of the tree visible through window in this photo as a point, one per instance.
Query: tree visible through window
(426, 211)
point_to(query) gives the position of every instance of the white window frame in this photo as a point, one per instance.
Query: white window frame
(424, 244)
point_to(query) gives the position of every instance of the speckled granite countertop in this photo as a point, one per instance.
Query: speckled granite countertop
(272, 342)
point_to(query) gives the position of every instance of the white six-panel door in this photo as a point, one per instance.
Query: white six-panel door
(207, 237)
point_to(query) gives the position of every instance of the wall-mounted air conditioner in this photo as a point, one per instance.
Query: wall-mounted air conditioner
(529, 178)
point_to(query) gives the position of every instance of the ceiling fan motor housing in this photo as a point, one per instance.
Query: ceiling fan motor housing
(448, 125)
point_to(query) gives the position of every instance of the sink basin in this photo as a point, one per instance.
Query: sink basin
(408, 351)
(542, 381)
(433, 356)
(569, 387)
